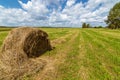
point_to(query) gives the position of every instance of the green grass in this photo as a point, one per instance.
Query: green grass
(3, 34)
(86, 54)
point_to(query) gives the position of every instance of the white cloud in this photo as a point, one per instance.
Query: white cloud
(12, 16)
(49, 12)
(36, 8)
(70, 3)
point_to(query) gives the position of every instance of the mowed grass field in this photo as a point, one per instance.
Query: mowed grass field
(79, 54)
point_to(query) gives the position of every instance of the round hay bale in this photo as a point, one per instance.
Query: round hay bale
(31, 41)
(18, 50)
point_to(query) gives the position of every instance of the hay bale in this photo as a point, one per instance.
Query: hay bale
(31, 41)
(20, 46)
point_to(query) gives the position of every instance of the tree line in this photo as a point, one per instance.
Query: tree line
(87, 25)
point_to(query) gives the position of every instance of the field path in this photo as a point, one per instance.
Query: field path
(51, 71)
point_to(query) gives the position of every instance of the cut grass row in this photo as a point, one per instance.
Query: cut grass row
(93, 63)
(98, 62)
(108, 57)
(70, 68)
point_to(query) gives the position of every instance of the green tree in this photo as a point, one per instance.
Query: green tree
(98, 27)
(88, 26)
(84, 25)
(113, 20)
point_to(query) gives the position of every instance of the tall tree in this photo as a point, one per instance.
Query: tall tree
(84, 25)
(88, 26)
(113, 20)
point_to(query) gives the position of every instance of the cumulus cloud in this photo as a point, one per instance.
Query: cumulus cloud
(12, 16)
(56, 13)
(35, 7)
(70, 3)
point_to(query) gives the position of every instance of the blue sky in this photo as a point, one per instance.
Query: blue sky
(15, 3)
(54, 12)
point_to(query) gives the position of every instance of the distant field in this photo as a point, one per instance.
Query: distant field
(79, 54)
